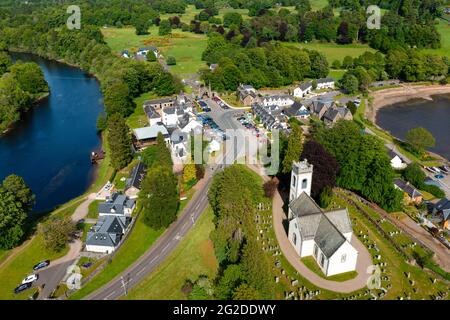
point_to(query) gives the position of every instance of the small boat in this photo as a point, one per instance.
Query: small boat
(96, 156)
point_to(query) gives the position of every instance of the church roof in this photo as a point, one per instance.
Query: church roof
(304, 205)
(328, 238)
(340, 219)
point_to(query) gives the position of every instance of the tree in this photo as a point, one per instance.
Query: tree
(349, 83)
(12, 218)
(57, 232)
(347, 63)
(164, 28)
(420, 138)
(325, 167)
(414, 175)
(151, 57)
(325, 197)
(231, 278)
(352, 107)
(119, 142)
(171, 61)
(270, 187)
(294, 149)
(30, 77)
(159, 197)
(102, 122)
(5, 62)
(118, 100)
(319, 65)
(141, 25)
(17, 186)
(245, 292)
(189, 173)
(336, 64)
(232, 18)
(199, 171)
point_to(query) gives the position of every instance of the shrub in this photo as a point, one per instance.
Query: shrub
(171, 61)
(270, 187)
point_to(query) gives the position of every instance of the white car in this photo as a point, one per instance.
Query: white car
(31, 278)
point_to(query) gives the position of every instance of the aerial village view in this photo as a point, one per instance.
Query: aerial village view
(225, 150)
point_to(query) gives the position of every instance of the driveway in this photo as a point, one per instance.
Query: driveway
(54, 274)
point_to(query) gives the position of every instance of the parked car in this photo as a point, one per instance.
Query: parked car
(22, 287)
(41, 265)
(87, 265)
(439, 176)
(445, 169)
(31, 278)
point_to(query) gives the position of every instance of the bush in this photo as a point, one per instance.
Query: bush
(171, 61)
(325, 197)
(270, 187)
(434, 190)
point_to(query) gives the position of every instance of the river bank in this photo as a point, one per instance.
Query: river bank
(384, 98)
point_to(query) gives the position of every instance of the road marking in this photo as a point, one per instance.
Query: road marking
(109, 295)
(164, 249)
(155, 257)
(140, 271)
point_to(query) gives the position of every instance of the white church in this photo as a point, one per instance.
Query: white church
(324, 235)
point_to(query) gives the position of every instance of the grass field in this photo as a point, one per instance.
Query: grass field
(334, 51)
(186, 47)
(444, 30)
(195, 251)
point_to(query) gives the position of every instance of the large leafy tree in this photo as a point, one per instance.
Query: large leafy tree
(12, 218)
(119, 141)
(293, 150)
(324, 164)
(117, 99)
(5, 62)
(17, 186)
(159, 197)
(420, 138)
(30, 77)
(57, 232)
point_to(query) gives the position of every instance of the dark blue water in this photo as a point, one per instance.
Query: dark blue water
(432, 115)
(50, 147)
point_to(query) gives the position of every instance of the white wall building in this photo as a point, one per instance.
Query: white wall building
(325, 83)
(280, 101)
(324, 235)
(302, 90)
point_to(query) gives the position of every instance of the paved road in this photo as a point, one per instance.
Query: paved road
(159, 251)
(165, 245)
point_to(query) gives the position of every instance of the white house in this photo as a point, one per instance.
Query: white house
(278, 100)
(106, 234)
(192, 126)
(325, 83)
(396, 160)
(153, 116)
(324, 235)
(302, 90)
(118, 205)
(169, 116)
(145, 50)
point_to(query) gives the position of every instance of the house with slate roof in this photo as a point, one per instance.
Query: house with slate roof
(442, 209)
(327, 235)
(118, 205)
(271, 117)
(303, 89)
(325, 83)
(334, 114)
(106, 234)
(146, 136)
(297, 110)
(397, 161)
(133, 184)
(277, 100)
(412, 195)
(247, 94)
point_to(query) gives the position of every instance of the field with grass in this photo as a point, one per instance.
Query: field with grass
(186, 47)
(195, 251)
(444, 30)
(333, 51)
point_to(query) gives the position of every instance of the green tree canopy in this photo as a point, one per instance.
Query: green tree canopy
(420, 138)
(12, 218)
(17, 186)
(119, 141)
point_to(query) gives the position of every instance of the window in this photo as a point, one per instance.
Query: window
(343, 258)
(322, 260)
(294, 181)
(315, 251)
(294, 239)
(304, 183)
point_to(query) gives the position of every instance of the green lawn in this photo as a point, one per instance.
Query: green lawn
(138, 119)
(334, 51)
(444, 30)
(186, 47)
(313, 266)
(195, 251)
(93, 210)
(13, 272)
(191, 11)
(318, 4)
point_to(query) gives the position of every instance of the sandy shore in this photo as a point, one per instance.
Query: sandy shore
(387, 97)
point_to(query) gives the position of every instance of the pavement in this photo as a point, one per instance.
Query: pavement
(51, 276)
